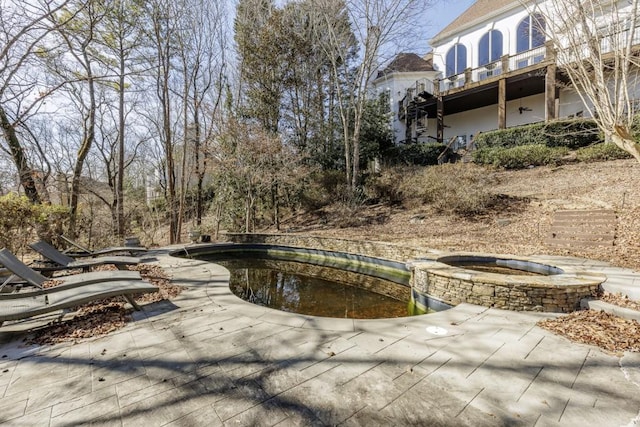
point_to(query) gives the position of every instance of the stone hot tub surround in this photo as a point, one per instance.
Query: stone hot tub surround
(554, 288)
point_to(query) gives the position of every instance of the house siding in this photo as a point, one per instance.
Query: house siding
(397, 84)
(505, 23)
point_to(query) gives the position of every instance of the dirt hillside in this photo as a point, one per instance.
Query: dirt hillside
(518, 229)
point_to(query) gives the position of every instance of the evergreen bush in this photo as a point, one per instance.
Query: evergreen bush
(571, 134)
(520, 157)
(601, 152)
(418, 154)
(21, 221)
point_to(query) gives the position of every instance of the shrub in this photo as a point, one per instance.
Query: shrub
(520, 157)
(21, 221)
(522, 135)
(572, 134)
(601, 152)
(324, 187)
(385, 187)
(419, 154)
(561, 133)
(457, 188)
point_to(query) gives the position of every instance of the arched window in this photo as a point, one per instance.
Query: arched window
(456, 60)
(530, 33)
(490, 47)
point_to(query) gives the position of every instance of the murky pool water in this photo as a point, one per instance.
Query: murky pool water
(314, 290)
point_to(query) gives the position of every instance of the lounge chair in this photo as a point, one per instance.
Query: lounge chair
(81, 251)
(24, 272)
(65, 261)
(22, 305)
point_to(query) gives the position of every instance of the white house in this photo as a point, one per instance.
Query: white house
(497, 71)
(407, 75)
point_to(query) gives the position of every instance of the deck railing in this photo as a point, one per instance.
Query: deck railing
(527, 58)
(511, 63)
(470, 75)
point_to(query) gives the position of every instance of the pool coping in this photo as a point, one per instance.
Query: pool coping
(432, 280)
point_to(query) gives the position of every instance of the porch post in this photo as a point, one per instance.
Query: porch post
(551, 90)
(440, 119)
(550, 93)
(502, 103)
(505, 64)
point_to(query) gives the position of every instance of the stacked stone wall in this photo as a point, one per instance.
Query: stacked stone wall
(563, 296)
(383, 250)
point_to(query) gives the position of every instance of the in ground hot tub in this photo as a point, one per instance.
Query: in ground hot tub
(492, 264)
(511, 283)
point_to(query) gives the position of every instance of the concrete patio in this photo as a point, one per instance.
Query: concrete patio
(208, 358)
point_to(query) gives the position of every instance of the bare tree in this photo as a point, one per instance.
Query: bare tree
(120, 35)
(23, 27)
(596, 46)
(202, 43)
(377, 26)
(250, 161)
(165, 18)
(79, 37)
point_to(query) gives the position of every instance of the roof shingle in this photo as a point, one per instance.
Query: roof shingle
(406, 63)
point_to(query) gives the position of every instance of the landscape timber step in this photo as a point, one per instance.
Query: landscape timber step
(580, 236)
(582, 213)
(582, 229)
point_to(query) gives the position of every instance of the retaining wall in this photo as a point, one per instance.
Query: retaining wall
(384, 250)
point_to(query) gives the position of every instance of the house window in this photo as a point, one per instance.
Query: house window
(530, 33)
(456, 59)
(490, 47)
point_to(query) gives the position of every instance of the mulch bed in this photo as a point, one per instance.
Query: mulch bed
(611, 333)
(619, 300)
(103, 316)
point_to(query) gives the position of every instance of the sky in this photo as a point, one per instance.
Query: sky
(441, 14)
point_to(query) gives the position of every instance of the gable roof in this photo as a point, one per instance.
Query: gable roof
(475, 12)
(406, 63)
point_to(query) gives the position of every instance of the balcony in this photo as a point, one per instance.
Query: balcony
(507, 66)
(521, 63)
(521, 69)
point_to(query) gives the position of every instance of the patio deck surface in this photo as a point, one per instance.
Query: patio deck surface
(209, 358)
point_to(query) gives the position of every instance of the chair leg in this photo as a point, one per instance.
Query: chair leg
(133, 302)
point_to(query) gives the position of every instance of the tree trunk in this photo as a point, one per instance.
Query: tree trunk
(355, 176)
(121, 129)
(624, 140)
(17, 153)
(199, 171)
(185, 145)
(87, 141)
(79, 165)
